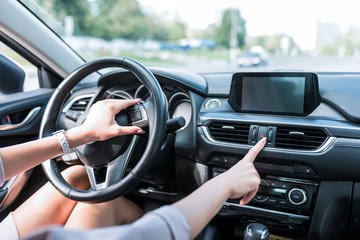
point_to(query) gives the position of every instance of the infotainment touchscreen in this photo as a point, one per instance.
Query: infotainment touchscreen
(278, 93)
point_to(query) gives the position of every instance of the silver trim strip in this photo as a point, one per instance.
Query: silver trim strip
(115, 169)
(152, 190)
(31, 116)
(69, 104)
(291, 215)
(327, 143)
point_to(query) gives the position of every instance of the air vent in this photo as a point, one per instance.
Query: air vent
(299, 138)
(229, 132)
(80, 104)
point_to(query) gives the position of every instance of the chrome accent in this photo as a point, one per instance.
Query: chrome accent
(183, 97)
(291, 215)
(31, 116)
(297, 181)
(153, 190)
(212, 100)
(77, 98)
(300, 190)
(323, 147)
(120, 94)
(200, 172)
(14, 187)
(144, 120)
(115, 169)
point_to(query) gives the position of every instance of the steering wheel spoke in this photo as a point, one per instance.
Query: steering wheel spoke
(104, 176)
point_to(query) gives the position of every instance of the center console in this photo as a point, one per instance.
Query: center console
(283, 204)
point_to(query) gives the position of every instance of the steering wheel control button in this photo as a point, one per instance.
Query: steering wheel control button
(297, 196)
(137, 116)
(73, 115)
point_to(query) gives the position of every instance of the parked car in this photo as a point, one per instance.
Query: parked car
(252, 59)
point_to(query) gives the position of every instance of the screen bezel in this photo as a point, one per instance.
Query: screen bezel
(311, 91)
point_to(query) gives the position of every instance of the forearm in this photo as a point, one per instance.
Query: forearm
(24, 156)
(202, 205)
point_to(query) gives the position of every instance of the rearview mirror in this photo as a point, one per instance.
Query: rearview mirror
(12, 76)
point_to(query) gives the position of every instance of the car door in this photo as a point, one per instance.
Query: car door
(25, 88)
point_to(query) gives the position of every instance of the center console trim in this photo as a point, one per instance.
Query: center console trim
(291, 215)
(323, 147)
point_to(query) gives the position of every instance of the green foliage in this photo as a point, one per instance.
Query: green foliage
(327, 50)
(79, 10)
(111, 19)
(223, 32)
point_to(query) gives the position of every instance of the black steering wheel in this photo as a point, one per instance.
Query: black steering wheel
(107, 161)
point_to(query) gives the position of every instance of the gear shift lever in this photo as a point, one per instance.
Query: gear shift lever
(256, 231)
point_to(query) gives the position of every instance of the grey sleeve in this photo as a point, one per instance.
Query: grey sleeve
(164, 223)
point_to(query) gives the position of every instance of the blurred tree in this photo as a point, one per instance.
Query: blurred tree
(351, 42)
(113, 19)
(164, 30)
(79, 10)
(118, 19)
(222, 33)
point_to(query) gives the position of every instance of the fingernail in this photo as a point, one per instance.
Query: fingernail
(140, 131)
(263, 140)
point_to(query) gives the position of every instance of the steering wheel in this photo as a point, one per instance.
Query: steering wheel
(106, 162)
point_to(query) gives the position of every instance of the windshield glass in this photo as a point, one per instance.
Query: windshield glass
(208, 36)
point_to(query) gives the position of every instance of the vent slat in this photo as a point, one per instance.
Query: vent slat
(80, 105)
(312, 139)
(229, 132)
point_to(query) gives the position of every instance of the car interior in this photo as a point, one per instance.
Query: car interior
(198, 125)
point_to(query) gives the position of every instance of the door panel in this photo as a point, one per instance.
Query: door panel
(20, 115)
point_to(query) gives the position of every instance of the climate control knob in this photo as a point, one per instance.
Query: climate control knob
(297, 196)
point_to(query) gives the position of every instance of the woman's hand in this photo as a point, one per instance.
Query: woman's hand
(243, 179)
(100, 123)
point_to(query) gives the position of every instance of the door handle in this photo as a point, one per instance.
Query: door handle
(27, 120)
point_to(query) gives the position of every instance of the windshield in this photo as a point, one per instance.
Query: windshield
(208, 36)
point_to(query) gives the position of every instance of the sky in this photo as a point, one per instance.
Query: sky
(296, 18)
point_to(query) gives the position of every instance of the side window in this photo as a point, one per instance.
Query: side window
(16, 73)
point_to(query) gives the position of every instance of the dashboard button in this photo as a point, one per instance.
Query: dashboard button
(282, 202)
(304, 169)
(229, 160)
(260, 198)
(264, 183)
(253, 134)
(297, 196)
(262, 133)
(284, 185)
(272, 201)
(273, 183)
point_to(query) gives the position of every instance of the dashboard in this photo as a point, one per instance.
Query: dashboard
(309, 167)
